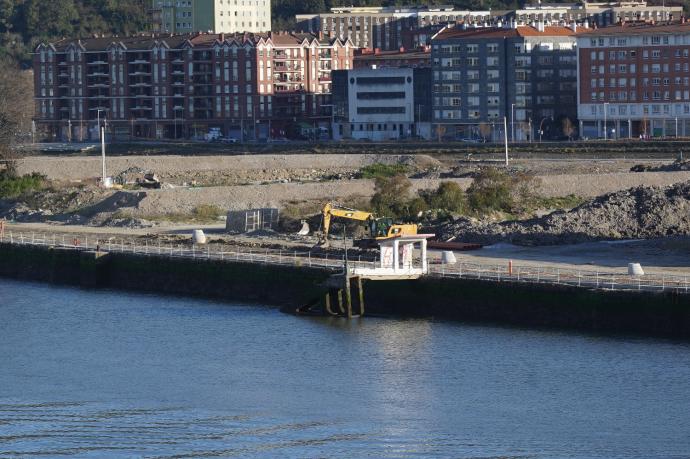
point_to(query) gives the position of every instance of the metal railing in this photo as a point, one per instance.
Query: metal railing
(509, 272)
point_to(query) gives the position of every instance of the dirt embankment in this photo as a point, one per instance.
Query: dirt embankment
(219, 170)
(641, 212)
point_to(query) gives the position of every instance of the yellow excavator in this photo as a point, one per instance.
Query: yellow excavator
(379, 228)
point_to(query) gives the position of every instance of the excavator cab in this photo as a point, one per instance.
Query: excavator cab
(379, 227)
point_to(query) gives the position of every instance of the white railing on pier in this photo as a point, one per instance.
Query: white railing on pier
(591, 279)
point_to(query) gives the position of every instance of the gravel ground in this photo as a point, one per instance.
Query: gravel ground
(81, 168)
(276, 195)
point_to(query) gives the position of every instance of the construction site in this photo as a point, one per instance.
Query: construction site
(565, 204)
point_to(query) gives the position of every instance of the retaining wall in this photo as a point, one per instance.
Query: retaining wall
(530, 305)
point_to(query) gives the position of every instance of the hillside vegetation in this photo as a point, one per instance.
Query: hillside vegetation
(25, 22)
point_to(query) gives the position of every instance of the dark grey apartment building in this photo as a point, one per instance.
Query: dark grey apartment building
(385, 27)
(527, 74)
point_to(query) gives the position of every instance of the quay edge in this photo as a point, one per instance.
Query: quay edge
(664, 314)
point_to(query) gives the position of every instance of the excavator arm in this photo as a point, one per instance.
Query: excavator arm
(331, 210)
(378, 227)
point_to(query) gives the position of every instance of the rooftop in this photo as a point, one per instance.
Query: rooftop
(393, 55)
(504, 32)
(147, 41)
(637, 28)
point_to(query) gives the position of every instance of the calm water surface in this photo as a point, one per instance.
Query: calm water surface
(112, 374)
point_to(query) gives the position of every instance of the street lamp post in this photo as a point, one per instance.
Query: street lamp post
(512, 122)
(541, 130)
(605, 120)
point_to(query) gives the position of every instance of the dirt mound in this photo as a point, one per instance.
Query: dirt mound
(675, 166)
(641, 212)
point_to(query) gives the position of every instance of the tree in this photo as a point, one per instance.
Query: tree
(448, 197)
(568, 128)
(16, 109)
(440, 131)
(492, 189)
(391, 197)
(485, 131)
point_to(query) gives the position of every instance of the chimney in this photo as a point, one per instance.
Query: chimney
(574, 26)
(221, 37)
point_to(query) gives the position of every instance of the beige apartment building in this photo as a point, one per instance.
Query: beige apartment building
(212, 16)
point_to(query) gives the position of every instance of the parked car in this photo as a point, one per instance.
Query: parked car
(230, 140)
(473, 140)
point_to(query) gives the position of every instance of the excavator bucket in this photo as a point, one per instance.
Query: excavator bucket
(304, 231)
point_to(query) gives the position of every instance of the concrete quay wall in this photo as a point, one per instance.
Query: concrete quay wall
(516, 304)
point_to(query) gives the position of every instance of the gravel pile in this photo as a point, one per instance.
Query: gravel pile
(637, 213)
(675, 166)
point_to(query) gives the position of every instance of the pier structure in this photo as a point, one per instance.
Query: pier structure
(397, 262)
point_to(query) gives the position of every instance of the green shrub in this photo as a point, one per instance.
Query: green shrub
(12, 186)
(380, 170)
(206, 212)
(449, 197)
(491, 190)
(392, 196)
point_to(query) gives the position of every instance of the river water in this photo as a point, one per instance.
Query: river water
(113, 374)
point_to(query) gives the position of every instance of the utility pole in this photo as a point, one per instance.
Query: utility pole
(512, 123)
(102, 132)
(505, 136)
(605, 121)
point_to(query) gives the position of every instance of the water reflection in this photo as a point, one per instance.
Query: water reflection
(110, 374)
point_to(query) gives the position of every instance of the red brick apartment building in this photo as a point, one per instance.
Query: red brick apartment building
(634, 79)
(180, 86)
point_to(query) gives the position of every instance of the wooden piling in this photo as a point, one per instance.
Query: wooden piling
(340, 301)
(348, 297)
(360, 292)
(327, 303)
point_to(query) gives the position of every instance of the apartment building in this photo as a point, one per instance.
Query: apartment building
(634, 79)
(527, 74)
(382, 104)
(251, 86)
(212, 16)
(598, 14)
(386, 28)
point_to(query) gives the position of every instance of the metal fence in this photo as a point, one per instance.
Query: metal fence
(508, 272)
